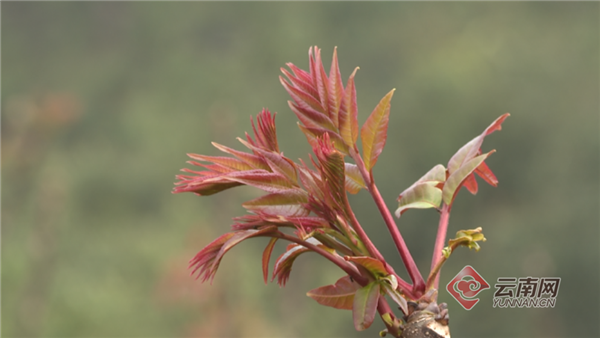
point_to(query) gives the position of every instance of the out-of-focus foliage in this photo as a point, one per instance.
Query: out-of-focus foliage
(101, 101)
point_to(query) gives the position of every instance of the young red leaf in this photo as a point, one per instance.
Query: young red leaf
(321, 81)
(228, 162)
(354, 180)
(312, 133)
(283, 266)
(374, 132)
(424, 193)
(331, 167)
(206, 257)
(277, 163)
(471, 149)
(302, 98)
(348, 115)
(335, 90)
(484, 172)
(209, 258)
(262, 179)
(308, 222)
(311, 118)
(264, 131)
(339, 295)
(304, 78)
(266, 257)
(204, 185)
(375, 266)
(256, 162)
(290, 203)
(455, 179)
(301, 80)
(470, 183)
(364, 307)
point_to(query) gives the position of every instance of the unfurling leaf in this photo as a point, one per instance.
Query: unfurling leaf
(336, 89)
(425, 193)
(264, 132)
(262, 179)
(313, 133)
(375, 266)
(374, 132)
(420, 196)
(395, 295)
(348, 115)
(364, 307)
(462, 168)
(339, 295)
(266, 257)
(277, 163)
(280, 204)
(208, 259)
(456, 178)
(283, 266)
(472, 148)
(468, 238)
(354, 180)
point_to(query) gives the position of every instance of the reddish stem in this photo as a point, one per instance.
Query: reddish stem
(440, 240)
(409, 263)
(383, 307)
(374, 252)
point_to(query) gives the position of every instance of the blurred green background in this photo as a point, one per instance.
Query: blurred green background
(102, 100)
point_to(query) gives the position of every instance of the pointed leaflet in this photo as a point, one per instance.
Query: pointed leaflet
(470, 150)
(470, 183)
(455, 179)
(290, 203)
(339, 295)
(262, 179)
(228, 162)
(300, 80)
(204, 185)
(265, 131)
(321, 81)
(302, 98)
(310, 117)
(348, 115)
(336, 89)
(395, 296)
(374, 132)
(424, 193)
(266, 257)
(252, 160)
(484, 172)
(205, 259)
(277, 162)
(375, 266)
(209, 258)
(312, 133)
(364, 307)
(354, 181)
(331, 165)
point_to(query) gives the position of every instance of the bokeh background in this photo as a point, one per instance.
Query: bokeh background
(102, 100)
